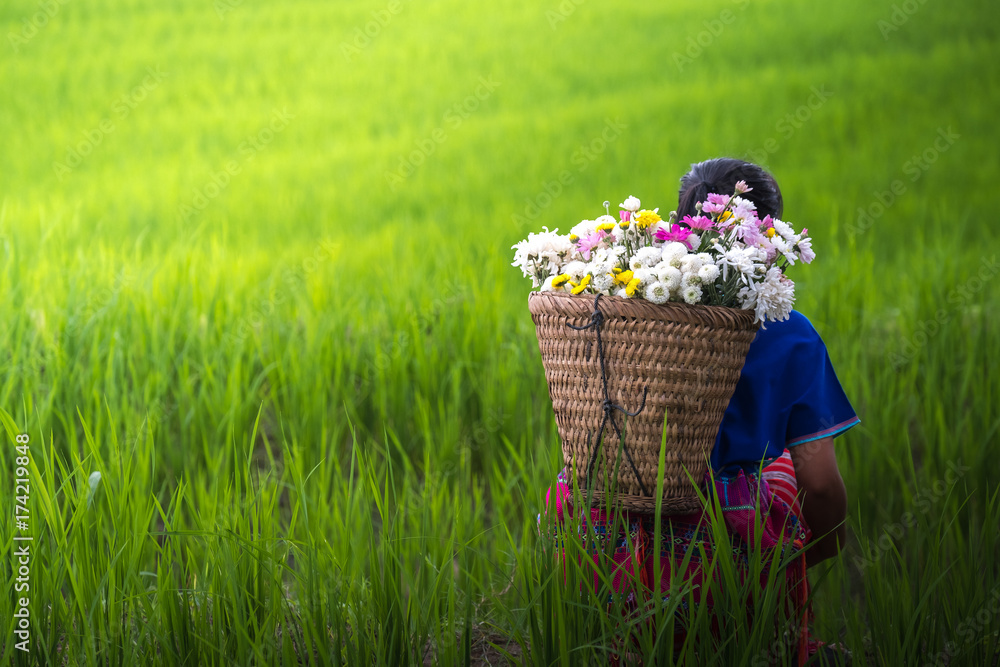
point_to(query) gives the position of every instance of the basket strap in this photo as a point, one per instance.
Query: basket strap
(609, 406)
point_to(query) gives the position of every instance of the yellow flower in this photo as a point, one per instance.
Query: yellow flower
(726, 215)
(574, 238)
(560, 280)
(645, 218)
(582, 286)
(623, 277)
(631, 287)
(624, 224)
(605, 226)
(770, 232)
(616, 270)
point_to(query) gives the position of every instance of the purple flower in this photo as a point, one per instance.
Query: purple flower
(587, 243)
(675, 233)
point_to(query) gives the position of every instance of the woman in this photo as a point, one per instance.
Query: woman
(785, 412)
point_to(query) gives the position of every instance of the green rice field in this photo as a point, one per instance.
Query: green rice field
(282, 394)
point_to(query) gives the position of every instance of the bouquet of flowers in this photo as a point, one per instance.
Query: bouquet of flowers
(723, 256)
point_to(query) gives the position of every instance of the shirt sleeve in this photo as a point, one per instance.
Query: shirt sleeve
(818, 406)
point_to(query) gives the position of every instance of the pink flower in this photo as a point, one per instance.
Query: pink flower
(715, 203)
(587, 244)
(626, 216)
(772, 253)
(748, 232)
(698, 222)
(806, 253)
(676, 233)
(766, 222)
(744, 209)
(741, 187)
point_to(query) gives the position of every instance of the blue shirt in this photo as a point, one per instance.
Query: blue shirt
(787, 395)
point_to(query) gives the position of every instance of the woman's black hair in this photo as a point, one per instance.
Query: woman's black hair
(719, 175)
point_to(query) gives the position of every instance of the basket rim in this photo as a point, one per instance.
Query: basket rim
(582, 305)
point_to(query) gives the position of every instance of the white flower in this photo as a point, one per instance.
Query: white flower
(785, 248)
(694, 241)
(630, 204)
(689, 279)
(584, 228)
(649, 256)
(669, 275)
(539, 255)
(602, 282)
(690, 263)
(645, 276)
(603, 254)
(772, 298)
(783, 228)
(708, 273)
(622, 293)
(547, 285)
(657, 292)
(743, 259)
(673, 252)
(576, 270)
(635, 263)
(691, 294)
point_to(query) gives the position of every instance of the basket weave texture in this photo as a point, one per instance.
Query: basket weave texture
(686, 358)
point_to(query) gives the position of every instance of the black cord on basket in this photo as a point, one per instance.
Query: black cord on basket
(609, 407)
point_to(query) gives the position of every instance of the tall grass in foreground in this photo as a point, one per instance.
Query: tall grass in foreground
(265, 566)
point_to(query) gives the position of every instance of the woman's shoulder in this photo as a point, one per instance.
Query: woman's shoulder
(796, 327)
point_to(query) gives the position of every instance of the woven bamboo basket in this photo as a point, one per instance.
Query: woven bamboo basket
(683, 360)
